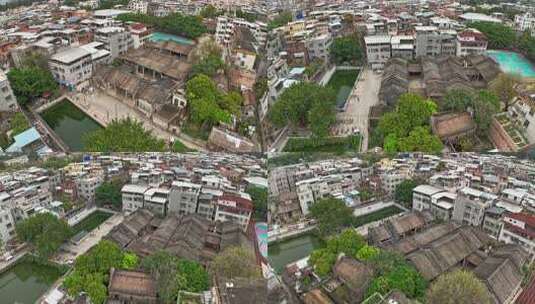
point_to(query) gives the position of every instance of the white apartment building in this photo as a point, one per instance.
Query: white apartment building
(525, 22)
(7, 227)
(234, 209)
(422, 196)
(470, 206)
(378, 50)
(318, 47)
(132, 197)
(402, 46)
(390, 180)
(184, 197)
(140, 34)
(431, 41)
(138, 6)
(25, 201)
(116, 40)
(72, 68)
(226, 27)
(8, 102)
(156, 200)
(471, 42)
(86, 186)
(519, 228)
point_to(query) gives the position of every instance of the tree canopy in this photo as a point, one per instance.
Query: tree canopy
(45, 232)
(31, 82)
(346, 50)
(235, 261)
(500, 36)
(460, 286)
(331, 215)
(125, 135)
(173, 275)
(281, 19)
(176, 23)
(403, 192)
(18, 124)
(208, 105)
(109, 193)
(305, 105)
(407, 127)
(259, 197)
(91, 270)
(504, 87)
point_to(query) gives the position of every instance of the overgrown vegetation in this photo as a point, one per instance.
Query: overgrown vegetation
(346, 50)
(109, 194)
(45, 232)
(175, 23)
(281, 19)
(259, 197)
(326, 144)
(125, 135)
(31, 82)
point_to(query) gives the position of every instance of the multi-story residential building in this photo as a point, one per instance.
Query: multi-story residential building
(116, 40)
(86, 186)
(519, 228)
(492, 223)
(7, 227)
(525, 22)
(235, 209)
(140, 34)
(402, 46)
(184, 197)
(156, 200)
(430, 41)
(132, 197)
(226, 30)
(138, 6)
(8, 101)
(391, 179)
(318, 47)
(26, 201)
(421, 196)
(470, 206)
(72, 68)
(378, 50)
(471, 42)
(438, 201)
(207, 202)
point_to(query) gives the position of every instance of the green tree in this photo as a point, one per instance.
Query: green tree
(500, 36)
(305, 105)
(486, 105)
(130, 261)
(176, 23)
(281, 19)
(415, 110)
(208, 66)
(322, 260)
(457, 100)
(196, 279)
(259, 197)
(367, 252)
(348, 242)
(109, 193)
(45, 232)
(420, 139)
(235, 262)
(163, 267)
(18, 124)
(209, 11)
(203, 97)
(346, 50)
(91, 270)
(504, 87)
(331, 215)
(232, 103)
(403, 192)
(125, 135)
(458, 287)
(31, 82)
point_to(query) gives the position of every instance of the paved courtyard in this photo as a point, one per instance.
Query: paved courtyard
(362, 98)
(104, 108)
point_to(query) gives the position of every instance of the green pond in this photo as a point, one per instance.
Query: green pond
(288, 251)
(26, 281)
(342, 82)
(69, 123)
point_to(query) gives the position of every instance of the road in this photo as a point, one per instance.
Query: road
(71, 251)
(362, 98)
(104, 108)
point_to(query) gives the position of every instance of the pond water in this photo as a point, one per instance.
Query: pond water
(26, 282)
(69, 123)
(159, 37)
(288, 251)
(511, 62)
(342, 82)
